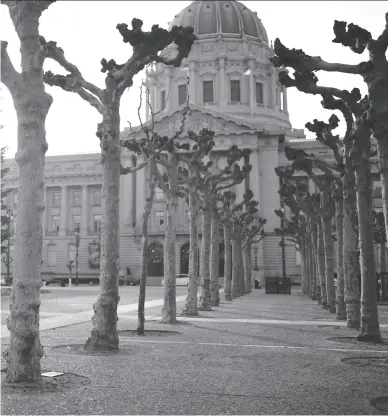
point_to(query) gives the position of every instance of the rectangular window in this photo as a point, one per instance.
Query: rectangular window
(56, 168)
(259, 93)
(52, 255)
(71, 250)
(159, 194)
(163, 100)
(56, 198)
(55, 223)
(77, 198)
(208, 96)
(97, 223)
(97, 197)
(182, 94)
(76, 222)
(159, 218)
(235, 95)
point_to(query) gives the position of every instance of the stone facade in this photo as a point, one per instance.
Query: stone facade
(233, 90)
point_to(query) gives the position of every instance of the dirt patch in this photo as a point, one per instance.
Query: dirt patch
(380, 403)
(330, 326)
(6, 291)
(365, 362)
(48, 385)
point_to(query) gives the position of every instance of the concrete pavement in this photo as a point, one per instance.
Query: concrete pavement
(260, 354)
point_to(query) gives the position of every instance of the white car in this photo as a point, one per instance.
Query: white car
(181, 280)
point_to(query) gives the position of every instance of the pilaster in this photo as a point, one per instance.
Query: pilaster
(63, 227)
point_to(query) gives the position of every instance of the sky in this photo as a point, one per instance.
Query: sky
(86, 30)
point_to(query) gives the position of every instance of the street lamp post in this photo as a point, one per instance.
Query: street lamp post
(77, 240)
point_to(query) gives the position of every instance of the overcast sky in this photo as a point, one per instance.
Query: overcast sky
(86, 30)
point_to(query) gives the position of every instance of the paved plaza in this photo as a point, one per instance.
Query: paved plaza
(260, 354)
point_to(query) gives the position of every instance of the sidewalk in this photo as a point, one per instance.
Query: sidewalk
(260, 354)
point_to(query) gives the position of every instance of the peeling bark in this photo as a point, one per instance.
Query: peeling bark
(32, 104)
(104, 334)
(169, 308)
(351, 258)
(228, 263)
(205, 299)
(369, 328)
(144, 249)
(339, 219)
(191, 300)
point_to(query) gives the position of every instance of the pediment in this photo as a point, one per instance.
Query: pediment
(196, 120)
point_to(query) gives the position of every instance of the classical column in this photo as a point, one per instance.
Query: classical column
(254, 179)
(64, 223)
(285, 107)
(85, 210)
(140, 191)
(252, 89)
(44, 219)
(193, 80)
(222, 84)
(153, 96)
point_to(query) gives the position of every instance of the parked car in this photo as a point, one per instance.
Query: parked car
(181, 280)
(48, 279)
(257, 283)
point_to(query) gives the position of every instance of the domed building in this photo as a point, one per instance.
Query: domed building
(232, 88)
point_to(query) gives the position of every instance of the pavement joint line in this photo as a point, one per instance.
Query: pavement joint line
(85, 316)
(220, 344)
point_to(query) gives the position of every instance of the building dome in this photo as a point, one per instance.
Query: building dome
(227, 18)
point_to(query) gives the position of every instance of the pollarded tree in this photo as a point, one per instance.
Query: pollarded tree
(5, 219)
(301, 161)
(32, 105)
(253, 232)
(145, 49)
(230, 208)
(374, 73)
(213, 182)
(200, 145)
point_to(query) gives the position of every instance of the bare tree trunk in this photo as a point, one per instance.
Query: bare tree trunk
(329, 251)
(370, 330)
(247, 262)
(144, 245)
(191, 300)
(313, 282)
(383, 167)
(32, 104)
(235, 268)
(321, 266)
(214, 258)
(104, 334)
(227, 263)
(169, 308)
(306, 270)
(205, 299)
(317, 286)
(242, 272)
(339, 219)
(351, 258)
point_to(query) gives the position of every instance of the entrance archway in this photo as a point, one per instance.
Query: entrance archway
(184, 267)
(155, 260)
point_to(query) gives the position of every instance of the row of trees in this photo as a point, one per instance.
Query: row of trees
(344, 186)
(177, 166)
(184, 167)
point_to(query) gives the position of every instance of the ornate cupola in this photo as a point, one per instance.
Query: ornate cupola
(228, 67)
